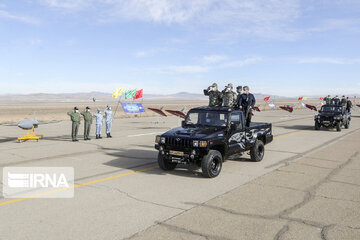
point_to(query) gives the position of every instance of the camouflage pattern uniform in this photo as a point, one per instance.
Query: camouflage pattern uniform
(214, 97)
(88, 121)
(343, 101)
(75, 118)
(229, 98)
(327, 100)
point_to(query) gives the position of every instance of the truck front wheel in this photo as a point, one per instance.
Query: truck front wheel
(338, 126)
(165, 164)
(211, 164)
(257, 151)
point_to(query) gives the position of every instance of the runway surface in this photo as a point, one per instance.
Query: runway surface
(120, 192)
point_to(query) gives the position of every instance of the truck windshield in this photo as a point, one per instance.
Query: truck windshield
(208, 119)
(331, 109)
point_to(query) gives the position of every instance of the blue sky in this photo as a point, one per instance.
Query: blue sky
(283, 47)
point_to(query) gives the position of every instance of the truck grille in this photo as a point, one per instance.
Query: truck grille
(178, 142)
(326, 118)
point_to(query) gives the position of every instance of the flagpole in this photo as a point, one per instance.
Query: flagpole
(117, 106)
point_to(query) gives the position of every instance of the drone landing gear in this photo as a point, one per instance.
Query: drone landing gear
(31, 136)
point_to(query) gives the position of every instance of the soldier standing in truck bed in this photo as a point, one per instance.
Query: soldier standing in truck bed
(239, 92)
(246, 103)
(229, 96)
(327, 99)
(348, 105)
(214, 95)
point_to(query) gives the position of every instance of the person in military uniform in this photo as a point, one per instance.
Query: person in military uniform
(75, 119)
(99, 123)
(109, 117)
(229, 96)
(327, 99)
(348, 105)
(239, 92)
(335, 100)
(246, 103)
(343, 101)
(214, 95)
(88, 121)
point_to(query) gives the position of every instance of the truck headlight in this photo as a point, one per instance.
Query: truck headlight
(157, 139)
(203, 143)
(195, 143)
(162, 140)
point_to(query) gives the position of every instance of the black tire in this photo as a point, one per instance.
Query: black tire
(211, 164)
(317, 125)
(347, 124)
(165, 164)
(257, 151)
(338, 126)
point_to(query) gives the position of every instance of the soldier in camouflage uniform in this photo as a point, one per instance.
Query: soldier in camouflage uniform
(214, 95)
(229, 96)
(327, 99)
(343, 101)
(75, 118)
(88, 121)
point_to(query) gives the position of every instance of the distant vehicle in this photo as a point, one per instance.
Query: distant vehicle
(208, 136)
(332, 116)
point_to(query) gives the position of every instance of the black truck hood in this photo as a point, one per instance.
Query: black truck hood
(196, 133)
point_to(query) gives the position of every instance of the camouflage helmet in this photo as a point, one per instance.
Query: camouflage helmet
(214, 85)
(229, 85)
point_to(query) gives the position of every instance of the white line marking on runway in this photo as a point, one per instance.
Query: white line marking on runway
(144, 134)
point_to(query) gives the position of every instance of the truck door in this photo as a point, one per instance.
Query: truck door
(236, 142)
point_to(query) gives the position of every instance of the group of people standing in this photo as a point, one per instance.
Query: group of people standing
(242, 99)
(75, 117)
(344, 101)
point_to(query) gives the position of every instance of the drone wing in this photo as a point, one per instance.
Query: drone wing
(158, 111)
(177, 113)
(257, 109)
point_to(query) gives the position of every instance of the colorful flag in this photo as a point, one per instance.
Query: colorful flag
(304, 98)
(321, 98)
(267, 99)
(300, 98)
(138, 94)
(130, 94)
(272, 105)
(117, 93)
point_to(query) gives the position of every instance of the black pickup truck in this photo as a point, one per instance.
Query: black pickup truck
(332, 116)
(208, 136)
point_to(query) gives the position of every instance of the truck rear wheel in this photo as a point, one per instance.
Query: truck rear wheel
(338, 126)
(211, 164)
(347, 123)
(165, 164)
(257, 151)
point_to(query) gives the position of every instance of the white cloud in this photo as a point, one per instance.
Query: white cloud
(328, 60)
(8, 15)
(189, 69)
(149, 52)
(214, 58)
(259, 17)
(69, 4)
(241, 63)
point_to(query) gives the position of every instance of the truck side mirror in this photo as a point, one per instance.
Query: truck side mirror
(183, 124)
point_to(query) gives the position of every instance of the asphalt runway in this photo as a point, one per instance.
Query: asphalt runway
(120, 191)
